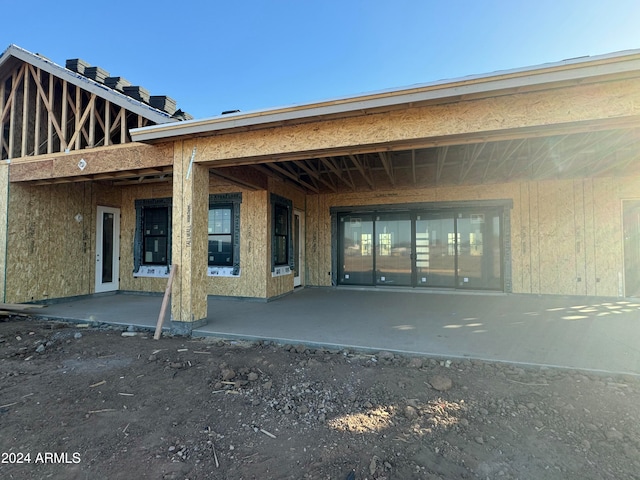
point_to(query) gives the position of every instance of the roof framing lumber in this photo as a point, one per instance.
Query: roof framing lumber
(331, 165)
(46, 109)
(388, 166)
(293, 176)
(359, 165)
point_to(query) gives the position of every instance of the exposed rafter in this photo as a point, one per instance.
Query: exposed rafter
(442, 157)
(388, 166)
(331, 164)
(365, 173)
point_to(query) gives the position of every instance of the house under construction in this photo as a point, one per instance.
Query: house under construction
(523, 181)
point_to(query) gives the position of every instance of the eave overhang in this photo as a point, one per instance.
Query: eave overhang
(568, 72)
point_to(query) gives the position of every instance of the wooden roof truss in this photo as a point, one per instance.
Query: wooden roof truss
(41, 113)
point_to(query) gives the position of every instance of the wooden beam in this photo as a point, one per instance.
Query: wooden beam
(235, 180)
(38, 113)
(50, 115)
(348, 170)
(413, 166)
(467, 166)
(295, 178)
(15, 80)
(440, 161)
(494, 149)
(48, 102)
(26, 114)
(78, 123)
(82, 120)
(123, 126)
(543, 152)
(358, 164)
(388, 166)
(331, 165)
(64, 117)
(107, 123)
(526, 143)
(314, 174)
(13, 110)
(92, 122)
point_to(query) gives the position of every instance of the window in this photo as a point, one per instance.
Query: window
(221, 236)
(155, 236)
(152, 247)
(224, 233)
(281, 233)
(281, 245)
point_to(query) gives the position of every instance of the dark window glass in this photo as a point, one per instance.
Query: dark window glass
(155, 236)
(281, 235)
(221, 235)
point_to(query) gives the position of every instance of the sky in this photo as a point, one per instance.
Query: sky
(212, 56)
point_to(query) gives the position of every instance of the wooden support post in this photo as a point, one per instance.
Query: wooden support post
(165, 303)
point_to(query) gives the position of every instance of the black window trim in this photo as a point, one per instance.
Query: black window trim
(277, 200)
(140, 205)
(233, 199)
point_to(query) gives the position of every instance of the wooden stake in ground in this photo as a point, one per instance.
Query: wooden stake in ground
(165, 303)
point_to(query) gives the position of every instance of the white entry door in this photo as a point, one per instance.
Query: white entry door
(107, 249)
(298, 248)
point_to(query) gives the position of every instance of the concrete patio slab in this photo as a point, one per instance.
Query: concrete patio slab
(584, 333)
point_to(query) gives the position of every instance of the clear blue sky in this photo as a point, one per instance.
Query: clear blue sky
(220, 55)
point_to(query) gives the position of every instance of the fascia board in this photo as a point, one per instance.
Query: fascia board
(568, 70)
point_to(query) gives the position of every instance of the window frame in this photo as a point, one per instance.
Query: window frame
(232, 200)
(138, 251)
(279, 203)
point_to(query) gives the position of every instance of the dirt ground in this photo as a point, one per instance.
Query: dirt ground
(86, 402)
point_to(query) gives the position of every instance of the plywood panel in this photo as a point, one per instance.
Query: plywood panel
(189, 227)
(534, 237)
(561, 105)
(556, 237)
(580, 239)
(521, 238)
(254, 260)
(98, 160)
(592, 279)
(608, 237)
(49, 255)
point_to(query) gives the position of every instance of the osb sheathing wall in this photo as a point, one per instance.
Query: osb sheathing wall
(97, 160)
(616, 99)
(4, 192)
(127, 236)
(50, 238)
(252, 281)
(566, 236)
(254, 267)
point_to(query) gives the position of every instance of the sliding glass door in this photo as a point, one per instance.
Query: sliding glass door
(479, 257)
(393, 249)
(356, 250)
(435, 250)
(429, 248)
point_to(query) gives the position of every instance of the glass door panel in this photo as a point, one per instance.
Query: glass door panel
(631, 228)
(393, 249)
(479, 255)
(435, 250)
(356, 265)
(107, 266)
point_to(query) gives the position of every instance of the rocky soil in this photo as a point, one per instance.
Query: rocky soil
(91, 402)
